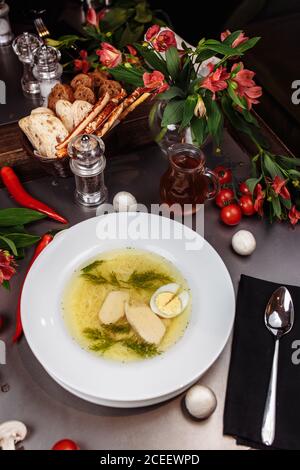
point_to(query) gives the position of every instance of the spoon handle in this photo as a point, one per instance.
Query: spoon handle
(269, 420)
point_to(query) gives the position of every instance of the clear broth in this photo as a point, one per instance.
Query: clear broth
(83, 299)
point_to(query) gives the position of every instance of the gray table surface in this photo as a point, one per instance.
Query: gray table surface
(49, 411)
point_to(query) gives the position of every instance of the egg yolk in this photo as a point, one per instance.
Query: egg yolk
(168, 303)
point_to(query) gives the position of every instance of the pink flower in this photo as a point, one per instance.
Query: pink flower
(155, 81)
(216, 81)
(109, 55)
(225, 35)
(164, 41)
(279, 186)
(82, 64)
(246, 86)
(94, 18)
(294, 216)
(238, 41)
(7, 266)
(259, 201)
(131, 50)
(152, 32)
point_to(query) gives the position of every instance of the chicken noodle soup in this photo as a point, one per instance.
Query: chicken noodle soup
(107, 305)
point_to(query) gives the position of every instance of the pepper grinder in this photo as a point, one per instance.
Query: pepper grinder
(6, 34)
(24, 46)
(88, 163)
(47, 70)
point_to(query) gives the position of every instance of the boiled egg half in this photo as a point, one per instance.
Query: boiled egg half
(167, 302)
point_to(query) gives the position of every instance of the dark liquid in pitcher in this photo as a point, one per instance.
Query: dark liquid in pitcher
(184, 182)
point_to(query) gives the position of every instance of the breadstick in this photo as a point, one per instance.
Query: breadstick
(134, 105)
(80, 128)
(114, 116)
(105, 113)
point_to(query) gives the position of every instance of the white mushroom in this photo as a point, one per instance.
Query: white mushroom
(11, 433)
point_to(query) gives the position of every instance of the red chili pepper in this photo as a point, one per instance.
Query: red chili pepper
(21, 196)
(45, 240)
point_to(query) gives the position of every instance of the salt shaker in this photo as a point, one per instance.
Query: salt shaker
(88, 163)
(47, 70)
(6, 35)
(25, 46)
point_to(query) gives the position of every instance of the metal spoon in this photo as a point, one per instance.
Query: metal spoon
(279, 319)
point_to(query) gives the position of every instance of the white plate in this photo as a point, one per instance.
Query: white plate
(208, 331)
(119, 404)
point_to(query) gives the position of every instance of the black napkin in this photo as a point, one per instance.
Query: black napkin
(250, 370)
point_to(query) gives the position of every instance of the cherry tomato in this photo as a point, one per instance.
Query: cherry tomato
(231, 215)
(65, 444)
(247, 206)
(224, 174)
(244, 189)
(225, 196)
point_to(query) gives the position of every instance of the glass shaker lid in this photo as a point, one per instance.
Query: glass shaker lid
(87, 152)
(25, 46)
(46, 59)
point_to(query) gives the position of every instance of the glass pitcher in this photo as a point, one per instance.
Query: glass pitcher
(187, 181)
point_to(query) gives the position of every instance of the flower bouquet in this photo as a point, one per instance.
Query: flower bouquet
(116, 28)
(205, 87)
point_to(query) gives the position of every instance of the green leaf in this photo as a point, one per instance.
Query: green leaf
(199, 130)
(232, 37)
(172, 92)
(130, 36)
(252, 183)
(188, 111)
(276, 207)
(6, 285)
(204, 55)
(152, 59)
(235, 98)
(10, 244)
(143, 13)
(115, 18)
(173, 113)
(22, 240)
(294, 173)
(221, 48)
(131, 76)
(291, 160)
(18, 216)
(286, 202)
(247, 45)
(271, 167)
(215, 120)
(173, 62)
(13, 229)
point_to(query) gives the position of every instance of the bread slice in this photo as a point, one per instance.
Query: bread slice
(25, 126)
(80, 109)
(62, 148)
(146, 324)
(113, 307)
(63, 109)
(44, 132)
(42, 110)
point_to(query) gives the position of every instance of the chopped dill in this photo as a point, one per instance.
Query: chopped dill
(141, 348)
(95, 278)
(147, 279)
(102, 341)
(92, 266)
(118, 329)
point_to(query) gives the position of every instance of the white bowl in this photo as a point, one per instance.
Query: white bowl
(208, 331)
